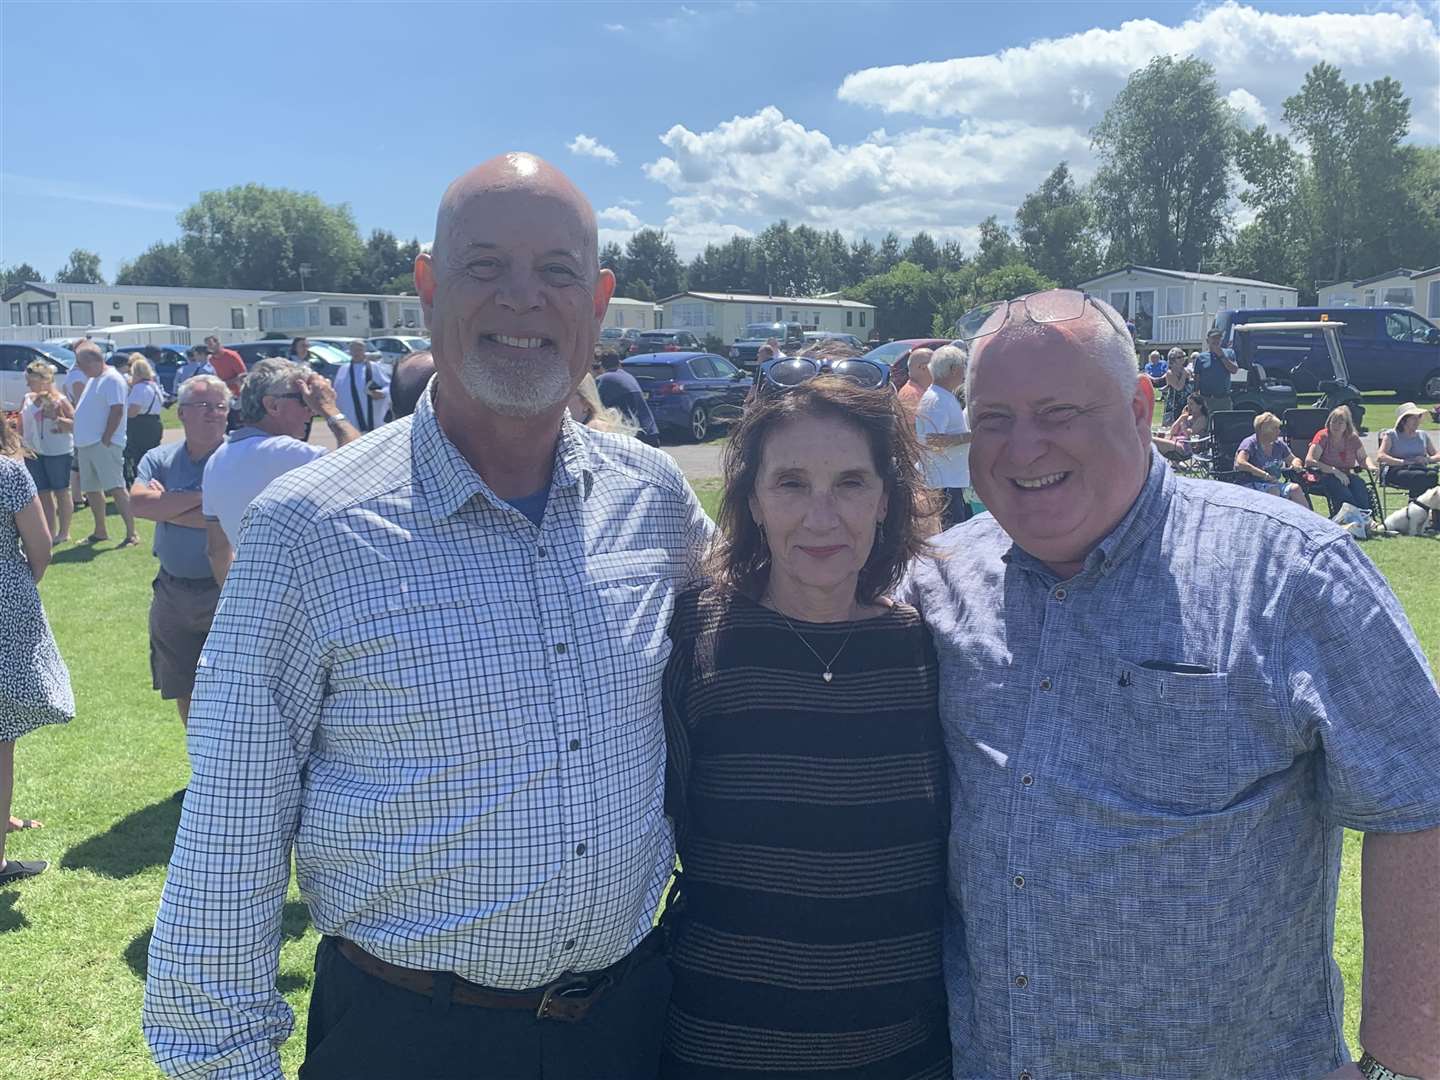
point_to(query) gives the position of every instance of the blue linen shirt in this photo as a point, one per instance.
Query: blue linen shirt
(1212, 378)
(180, 548)
(1151, 766)
(449, 714)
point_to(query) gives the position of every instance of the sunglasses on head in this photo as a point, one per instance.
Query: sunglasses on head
(792, 371)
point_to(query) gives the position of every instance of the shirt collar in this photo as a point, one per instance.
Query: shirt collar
(1145, 514)
(446, 481)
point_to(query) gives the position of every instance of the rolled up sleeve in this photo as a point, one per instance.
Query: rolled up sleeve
(1359, 686)
(211, 1006)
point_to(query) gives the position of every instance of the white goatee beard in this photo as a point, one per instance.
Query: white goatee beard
(511, 388)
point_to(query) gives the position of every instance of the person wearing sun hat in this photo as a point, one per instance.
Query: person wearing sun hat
(1407, 456)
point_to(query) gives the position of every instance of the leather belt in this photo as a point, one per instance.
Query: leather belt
(567, 999)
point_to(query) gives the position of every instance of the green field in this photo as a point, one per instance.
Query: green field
(74, 939)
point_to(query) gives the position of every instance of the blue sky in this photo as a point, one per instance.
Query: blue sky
(702, 118)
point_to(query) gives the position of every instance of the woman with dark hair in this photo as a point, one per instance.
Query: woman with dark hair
(806, 775)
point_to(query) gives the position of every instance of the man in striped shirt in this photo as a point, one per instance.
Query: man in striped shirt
(435, 679)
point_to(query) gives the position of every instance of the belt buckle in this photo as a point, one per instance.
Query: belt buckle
(568, 998)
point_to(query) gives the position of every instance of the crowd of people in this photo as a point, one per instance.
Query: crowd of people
(1043, 794)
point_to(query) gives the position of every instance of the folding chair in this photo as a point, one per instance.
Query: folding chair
(1300, 427)
(1228, 430)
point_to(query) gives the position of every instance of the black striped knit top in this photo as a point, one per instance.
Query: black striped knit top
(811, 820)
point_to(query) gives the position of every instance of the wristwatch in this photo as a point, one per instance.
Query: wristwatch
(1373, 1070)
(337, 418)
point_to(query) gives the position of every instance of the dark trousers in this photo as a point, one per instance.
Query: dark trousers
(957, 507)
(363, 1028)
(1415, 479)
(1340, 491)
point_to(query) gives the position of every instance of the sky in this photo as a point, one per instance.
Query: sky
(704, 119)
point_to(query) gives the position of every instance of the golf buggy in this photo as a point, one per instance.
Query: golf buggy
(1257, 359)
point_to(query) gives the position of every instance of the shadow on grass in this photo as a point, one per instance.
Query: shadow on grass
(132, 845)
(77, 553)
(10, 919)
(293, 921)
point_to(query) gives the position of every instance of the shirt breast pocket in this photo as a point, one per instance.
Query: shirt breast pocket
(630, 597)
(1168, 738)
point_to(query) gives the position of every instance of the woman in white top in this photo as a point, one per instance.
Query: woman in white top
(46, 420)
(145, 428)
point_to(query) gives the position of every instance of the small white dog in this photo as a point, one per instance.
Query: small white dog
(1413, 518)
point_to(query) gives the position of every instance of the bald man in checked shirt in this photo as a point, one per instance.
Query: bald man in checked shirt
(434, 678)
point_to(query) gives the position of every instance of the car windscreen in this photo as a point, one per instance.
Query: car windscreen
(612, 332)
(764, 330)
(644, 373)
(886, 354)
(61, 353)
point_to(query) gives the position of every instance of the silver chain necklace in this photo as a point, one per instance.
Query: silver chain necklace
(828, 674)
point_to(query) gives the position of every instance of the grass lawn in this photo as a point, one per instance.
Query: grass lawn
(74, 939)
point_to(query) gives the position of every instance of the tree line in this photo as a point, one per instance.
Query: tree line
(1342, 196)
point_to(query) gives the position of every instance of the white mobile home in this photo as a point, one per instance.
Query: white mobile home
(725, 315)
(54, 309)
(1397, 288)
(631, 314)
(1179, 306)
(338, 314)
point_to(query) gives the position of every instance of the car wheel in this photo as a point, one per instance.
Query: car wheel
(1430, 387)
(699, 424)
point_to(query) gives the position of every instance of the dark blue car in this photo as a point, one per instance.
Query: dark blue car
(690, 392)
(165, 359)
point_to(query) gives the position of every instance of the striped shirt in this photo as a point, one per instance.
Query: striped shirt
(449, 715)
(811, 825)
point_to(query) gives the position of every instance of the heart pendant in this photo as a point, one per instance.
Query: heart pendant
(827, 676)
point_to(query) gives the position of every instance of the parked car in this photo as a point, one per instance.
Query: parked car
(653, 341)
(747, 345)
(1386, 348)
(812, 336)
(324, 358)
(395, 348)
(622, 341)
(16, 356)
(690, 392)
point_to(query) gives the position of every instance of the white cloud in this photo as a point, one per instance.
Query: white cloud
(585, 146)
(34, 186)
(618, 216)
(1070, 80)
(1248, 106)
(767, 166)
(615, 28)
(689, 11)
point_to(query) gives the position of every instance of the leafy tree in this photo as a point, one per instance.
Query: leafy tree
(864, 261)
(640, 290)
(159, 264)
(728, 267)
(1055, 227)
(923, 251)
(997, 246)
(1165, 146)
(612, 257)
(905, 298)
(650, 259)
(17, 274)
(952, 255)
(889, 254)
(255, 237)
(82, 269)
(384, 262)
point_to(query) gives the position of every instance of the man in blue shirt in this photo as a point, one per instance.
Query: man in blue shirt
(1213, 368)
(1163, 700)
(167, 492)
(197, 363)
(619, 390)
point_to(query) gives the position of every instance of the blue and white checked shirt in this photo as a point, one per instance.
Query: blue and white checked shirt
(451, 716)
(1146, 861)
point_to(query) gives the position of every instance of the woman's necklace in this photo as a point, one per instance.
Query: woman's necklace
(828, 674)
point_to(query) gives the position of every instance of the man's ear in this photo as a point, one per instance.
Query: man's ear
(604, 290)
(425, 283)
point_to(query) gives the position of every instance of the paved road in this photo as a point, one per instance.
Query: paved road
(699, 462)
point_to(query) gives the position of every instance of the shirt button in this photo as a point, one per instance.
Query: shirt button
(1044, 683)
(569, 945)
(560, 648)
(580, 848)
(1027, 779)
(1060, 594)
(1020, 884)
(574, 744)
(1021, 981)
(1025, 1076)
(540, 551)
